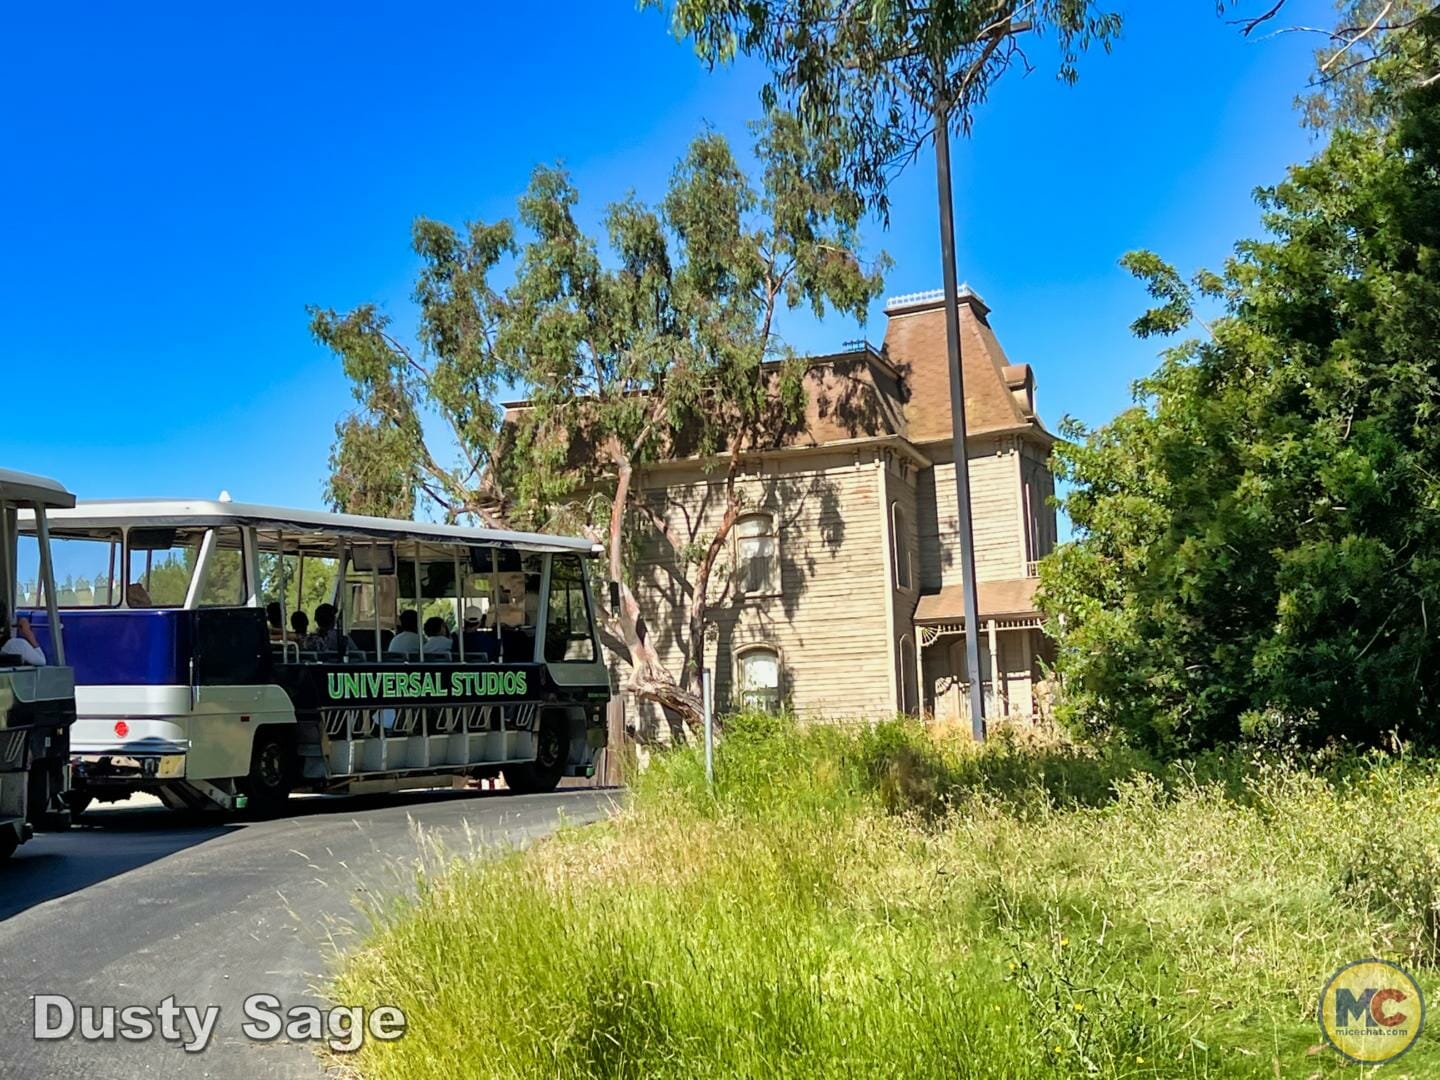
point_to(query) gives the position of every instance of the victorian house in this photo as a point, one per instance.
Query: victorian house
(841, 594)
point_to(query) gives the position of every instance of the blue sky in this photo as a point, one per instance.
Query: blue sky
(182, 181)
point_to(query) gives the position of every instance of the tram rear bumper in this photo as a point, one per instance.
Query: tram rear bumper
(125, 766)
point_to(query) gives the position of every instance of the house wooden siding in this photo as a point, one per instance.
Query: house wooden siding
(901, 477)
(829, 621)
(995, 516)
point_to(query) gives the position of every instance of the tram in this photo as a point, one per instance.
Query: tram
(37, 690)
(227, 654)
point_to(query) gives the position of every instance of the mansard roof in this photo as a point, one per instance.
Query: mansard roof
(999, 395)
(902, 389)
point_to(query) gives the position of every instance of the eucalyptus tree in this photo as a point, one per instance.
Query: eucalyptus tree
(661, 340)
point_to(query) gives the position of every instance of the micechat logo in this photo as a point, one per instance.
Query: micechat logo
(1371, 1011)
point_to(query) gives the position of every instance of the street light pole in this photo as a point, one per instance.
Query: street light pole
(957, 417)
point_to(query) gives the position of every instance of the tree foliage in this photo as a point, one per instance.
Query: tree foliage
(658, 341)
(871, 77)
(1259, 537)
(1369, 51)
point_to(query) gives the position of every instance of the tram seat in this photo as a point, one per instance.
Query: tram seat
(517, 643)
(481, 646)
(364, 638)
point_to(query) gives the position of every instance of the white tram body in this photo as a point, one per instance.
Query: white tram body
(187, 688)
(37, 701)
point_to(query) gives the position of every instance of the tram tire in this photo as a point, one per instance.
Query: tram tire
(272, 775)
(544, 773)
(78, 802)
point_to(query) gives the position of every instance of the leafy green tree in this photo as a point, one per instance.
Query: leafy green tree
(1259, 537)
(659, 342)
(1369, 51)
(872, 78)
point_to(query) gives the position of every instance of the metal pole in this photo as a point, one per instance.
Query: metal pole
(707, 708)
(957, 416)
(47, 576)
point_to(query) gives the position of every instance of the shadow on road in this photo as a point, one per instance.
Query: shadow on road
(110, 840)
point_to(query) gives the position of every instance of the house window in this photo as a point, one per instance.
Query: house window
(900, 546)
(759, 678)
(757, 555)
(909, 677)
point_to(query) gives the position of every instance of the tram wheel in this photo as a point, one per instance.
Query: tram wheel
(78, 802)
(544, 773)
(267, 786)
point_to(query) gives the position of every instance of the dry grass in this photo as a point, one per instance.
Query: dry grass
(886, 903)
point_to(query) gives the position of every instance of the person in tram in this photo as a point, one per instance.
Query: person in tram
(272, 616)
(437, 638)
(22, 647)
(406, 642)
(137, 596)
(479, 644)
(327, 637)
(299, 625)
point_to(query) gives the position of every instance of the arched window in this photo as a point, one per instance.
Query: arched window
(900, 546)
(909, 677)
(757, 555)
(758, 678)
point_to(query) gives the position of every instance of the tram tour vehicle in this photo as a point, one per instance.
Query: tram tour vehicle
(37, 690)
(227, 654)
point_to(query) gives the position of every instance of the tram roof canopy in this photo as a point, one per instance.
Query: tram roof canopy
(27, 488)
(101, 513)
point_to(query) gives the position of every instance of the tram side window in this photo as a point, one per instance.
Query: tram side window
(159, 566)
(224, 584)
(87, 570)
(567, 617)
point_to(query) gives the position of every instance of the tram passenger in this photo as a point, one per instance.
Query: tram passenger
(299, 625)
(437, 638)
(273, 617)
(479, 643)
(23, 646)
(407, 641)
(327, 637)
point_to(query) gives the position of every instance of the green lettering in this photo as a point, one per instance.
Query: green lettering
(520, 683)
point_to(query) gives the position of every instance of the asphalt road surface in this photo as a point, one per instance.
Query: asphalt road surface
(139, 904)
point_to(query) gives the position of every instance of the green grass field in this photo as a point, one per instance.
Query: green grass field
(890, 902)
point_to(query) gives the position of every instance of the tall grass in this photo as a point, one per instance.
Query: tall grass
(887, 902)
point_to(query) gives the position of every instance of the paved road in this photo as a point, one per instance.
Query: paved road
(142, 904)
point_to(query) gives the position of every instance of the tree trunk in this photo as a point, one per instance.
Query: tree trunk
(648, 678)
(700, 598)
